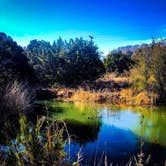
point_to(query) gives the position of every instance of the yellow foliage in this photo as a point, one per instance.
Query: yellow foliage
(135, 75)
(126, 96)
(142, 99)
(129, 97)
(90, 96)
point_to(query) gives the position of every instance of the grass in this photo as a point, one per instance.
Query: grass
(16, 97)
(89, 96)
(110, 89)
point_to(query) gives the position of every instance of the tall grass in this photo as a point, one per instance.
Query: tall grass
(17, 96)
(102, 159)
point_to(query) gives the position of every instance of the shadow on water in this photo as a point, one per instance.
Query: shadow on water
(82, 133)
(83, 126)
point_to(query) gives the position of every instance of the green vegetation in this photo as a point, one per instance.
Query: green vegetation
(73, 112)
(153, 127)
(13, 63)
(148, 75)
(118, 62)
(145, 67)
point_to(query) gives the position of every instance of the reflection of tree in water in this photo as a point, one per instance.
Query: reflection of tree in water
(83, 133)
(141, 143)
(154, 125)
(82, 120)
(153, 153)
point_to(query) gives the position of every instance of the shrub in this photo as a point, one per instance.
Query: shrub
(118, 62)
(89, 95)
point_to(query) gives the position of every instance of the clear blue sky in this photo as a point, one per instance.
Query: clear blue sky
(113, 23)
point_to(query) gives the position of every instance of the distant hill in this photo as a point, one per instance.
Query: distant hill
(132, 48)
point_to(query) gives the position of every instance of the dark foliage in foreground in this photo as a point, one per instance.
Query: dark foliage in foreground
(13, 64)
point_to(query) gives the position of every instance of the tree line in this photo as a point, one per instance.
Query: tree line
(64, 62)
(76, 60)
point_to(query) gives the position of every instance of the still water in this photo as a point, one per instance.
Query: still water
(114, 134)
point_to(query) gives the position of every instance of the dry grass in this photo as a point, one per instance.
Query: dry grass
(118, 79)
(110, 88)
(17, 97)
(105, 89)
(89, 96)
(125, 96)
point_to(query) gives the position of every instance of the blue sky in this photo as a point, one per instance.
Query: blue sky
(113, 23)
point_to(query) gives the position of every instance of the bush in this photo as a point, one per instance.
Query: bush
(118, 62)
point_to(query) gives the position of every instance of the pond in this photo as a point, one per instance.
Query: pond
(113, 134)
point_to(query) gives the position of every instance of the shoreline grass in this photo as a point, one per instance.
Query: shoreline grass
(112, 89)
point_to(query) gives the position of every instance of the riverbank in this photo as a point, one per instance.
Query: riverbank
(110, 89)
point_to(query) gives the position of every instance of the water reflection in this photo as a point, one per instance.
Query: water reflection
(83, 126)
(154, 125)
(115, 132)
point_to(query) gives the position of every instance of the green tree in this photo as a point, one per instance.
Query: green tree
(118, 62)
(149, 71)
(42, 57)
(65, 62)
(159, 67)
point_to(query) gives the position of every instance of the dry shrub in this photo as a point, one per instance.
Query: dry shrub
(130, 97)
(142, 99)
(124, 78)
(126, 96)
(17, 97)
(88, 96)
